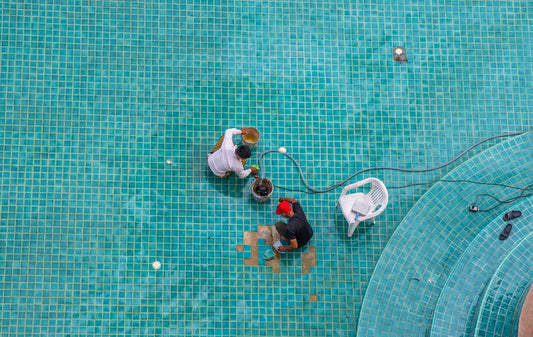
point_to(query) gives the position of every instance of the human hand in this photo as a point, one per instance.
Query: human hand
(244, 131)
(287, 199)
(255, 170)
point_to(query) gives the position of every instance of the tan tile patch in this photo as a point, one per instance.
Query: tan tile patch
(265, 232)
(308, 259)
(313, 298)
(250, 239)
(270, 235)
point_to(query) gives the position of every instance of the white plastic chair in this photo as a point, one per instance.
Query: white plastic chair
(358, 207)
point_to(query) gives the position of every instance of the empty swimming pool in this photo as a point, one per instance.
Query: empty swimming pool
(108, 110)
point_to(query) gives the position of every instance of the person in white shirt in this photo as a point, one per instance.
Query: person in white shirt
(229, 158)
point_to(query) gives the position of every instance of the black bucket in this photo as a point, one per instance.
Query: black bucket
(262, 189)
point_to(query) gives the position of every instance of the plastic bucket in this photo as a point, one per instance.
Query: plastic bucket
(251, 137)
(262, 189)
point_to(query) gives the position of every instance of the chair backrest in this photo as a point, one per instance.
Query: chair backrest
(377, 196)
(378, 193)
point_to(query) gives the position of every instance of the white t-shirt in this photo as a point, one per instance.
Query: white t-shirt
(224, 159)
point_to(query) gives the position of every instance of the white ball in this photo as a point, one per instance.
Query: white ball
(169, 162)
(282, 150)
(156, 265)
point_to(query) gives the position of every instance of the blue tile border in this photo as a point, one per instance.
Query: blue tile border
(414, 267)
(500, 307)
(464, 294)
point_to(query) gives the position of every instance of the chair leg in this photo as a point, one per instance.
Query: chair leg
(352, 227)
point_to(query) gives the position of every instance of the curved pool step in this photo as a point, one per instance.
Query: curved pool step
(414, 266)
(500, 307)
(457, 307)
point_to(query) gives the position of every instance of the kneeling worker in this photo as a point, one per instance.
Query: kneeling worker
(297, 232)
(226, 157)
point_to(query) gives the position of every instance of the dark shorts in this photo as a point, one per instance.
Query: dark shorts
(281, 227)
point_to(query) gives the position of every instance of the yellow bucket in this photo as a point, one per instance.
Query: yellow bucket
(251, 137)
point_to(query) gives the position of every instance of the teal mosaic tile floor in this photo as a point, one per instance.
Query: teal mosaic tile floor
(499, 307)
(96, 97)
(487, 282)
(442, 264)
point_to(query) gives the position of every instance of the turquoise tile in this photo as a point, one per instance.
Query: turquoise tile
(95, 98)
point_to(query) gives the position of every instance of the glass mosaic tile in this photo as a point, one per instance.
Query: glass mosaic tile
(109, 109)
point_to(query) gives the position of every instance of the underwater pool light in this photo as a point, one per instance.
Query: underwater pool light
(156, 265)
(400, 54)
